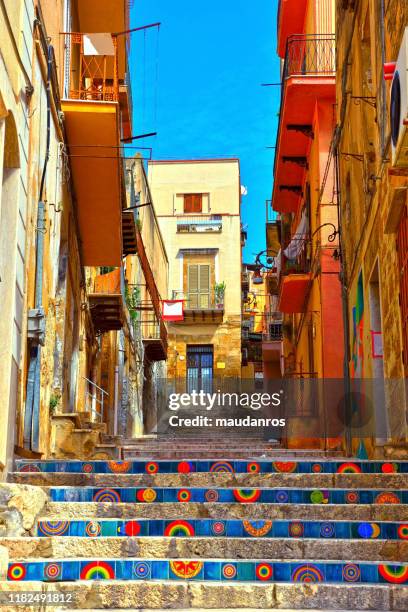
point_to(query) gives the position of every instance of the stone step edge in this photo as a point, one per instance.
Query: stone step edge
(139, 596)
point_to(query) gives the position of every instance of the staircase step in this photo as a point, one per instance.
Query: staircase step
(324, 512)
(228, 495)
(280, 465)
(242, 570)
(213, 479)
(141, 595)
(210, 547)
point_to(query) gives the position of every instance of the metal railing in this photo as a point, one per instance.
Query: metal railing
(271, 215)
(202, 223)
(310, 54)
(95, 396)
(199, 301)
(92, 76)
(273, 332)
(302, 262)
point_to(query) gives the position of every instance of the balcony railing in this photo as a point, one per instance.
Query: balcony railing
(309, 55)
(273, 332)
(93, 70)
(203, 223)
(199, 301)
(299, 263)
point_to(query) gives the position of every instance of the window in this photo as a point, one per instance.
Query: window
(193, 203)
(198, 285)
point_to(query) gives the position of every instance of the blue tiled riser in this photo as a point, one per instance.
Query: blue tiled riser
(200, 495)
(225, 528)
(246, 571)
(173, 467)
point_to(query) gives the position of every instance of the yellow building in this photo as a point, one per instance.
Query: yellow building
(370, 147)
(198, 207)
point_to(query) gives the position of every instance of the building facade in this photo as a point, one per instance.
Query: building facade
(370, 147)
(74, 356)
(306, 266)
(198, 208)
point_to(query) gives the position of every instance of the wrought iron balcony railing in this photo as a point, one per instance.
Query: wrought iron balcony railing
(200, 301)
(299, 258)
(312, 54)
(273, 332)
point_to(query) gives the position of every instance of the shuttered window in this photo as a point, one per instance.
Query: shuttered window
(198, 285)
(402, 246)
(193, 203)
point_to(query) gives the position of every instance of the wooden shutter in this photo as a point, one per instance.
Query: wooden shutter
(193, 203)
(204, 278)
(193, 286)
(198, 286)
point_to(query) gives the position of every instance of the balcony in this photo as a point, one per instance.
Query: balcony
(154, 338)
(272, 231)
(105, 16)
(199, 224)
(296, 278)
(291, 19)
(129, 231)
(200, 307)
(272, 336)
(308, 76)
(107, 301)
(92, 121)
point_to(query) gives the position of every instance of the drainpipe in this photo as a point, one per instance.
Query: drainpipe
(36, 336)
(384, 90)
(116, 402)
(346, 318)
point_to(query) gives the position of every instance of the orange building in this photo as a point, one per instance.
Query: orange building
(308, 288)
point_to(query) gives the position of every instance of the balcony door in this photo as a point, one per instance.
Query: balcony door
(200, 360)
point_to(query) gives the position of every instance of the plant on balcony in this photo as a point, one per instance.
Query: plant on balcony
(219, 291)
(132, 298)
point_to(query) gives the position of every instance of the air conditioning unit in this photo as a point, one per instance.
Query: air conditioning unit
(399, 107)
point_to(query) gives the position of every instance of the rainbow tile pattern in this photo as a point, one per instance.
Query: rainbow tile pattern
(231, 528)
(233, 467)
(177, 569)
(226, 495)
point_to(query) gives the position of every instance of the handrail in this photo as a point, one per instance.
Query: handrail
(95, 399)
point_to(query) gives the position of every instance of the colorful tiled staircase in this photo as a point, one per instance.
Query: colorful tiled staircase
(287, 533)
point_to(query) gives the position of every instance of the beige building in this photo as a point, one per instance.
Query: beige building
(198, 207)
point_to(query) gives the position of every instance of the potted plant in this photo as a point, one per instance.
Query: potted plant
(219, 291)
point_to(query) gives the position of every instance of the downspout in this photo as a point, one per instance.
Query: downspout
(383, 87)
(32, 406)
(346, 318)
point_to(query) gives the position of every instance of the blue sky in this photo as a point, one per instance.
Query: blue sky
(197, 83)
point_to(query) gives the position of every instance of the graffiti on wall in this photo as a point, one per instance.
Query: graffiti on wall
(357, 352)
